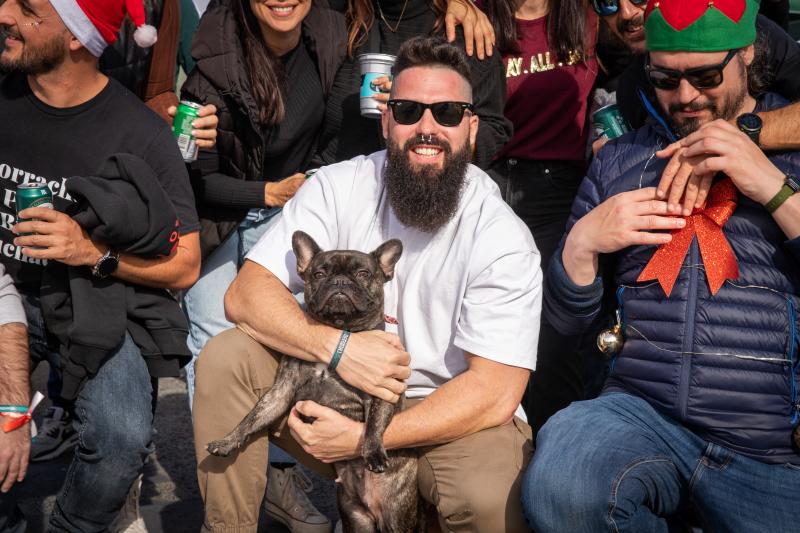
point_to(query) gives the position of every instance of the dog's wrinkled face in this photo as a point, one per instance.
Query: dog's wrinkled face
(344, 288)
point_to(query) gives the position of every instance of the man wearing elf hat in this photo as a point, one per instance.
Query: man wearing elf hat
(702, 397)
(61, 117)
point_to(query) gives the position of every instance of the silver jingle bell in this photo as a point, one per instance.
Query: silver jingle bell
(610, 341)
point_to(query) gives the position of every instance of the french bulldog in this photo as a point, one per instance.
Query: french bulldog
(344, 289)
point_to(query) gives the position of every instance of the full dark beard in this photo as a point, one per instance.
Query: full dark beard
(425, 198)
(728, 108)
(39, 60)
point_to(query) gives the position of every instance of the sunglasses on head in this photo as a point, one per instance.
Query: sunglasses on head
(449, 114)
(605, 8)
(700, 77)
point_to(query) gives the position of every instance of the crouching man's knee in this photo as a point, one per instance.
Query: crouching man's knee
(233, 359)
(556, 495)
(474, 482)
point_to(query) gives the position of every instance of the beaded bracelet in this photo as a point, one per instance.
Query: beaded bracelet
(337, 354)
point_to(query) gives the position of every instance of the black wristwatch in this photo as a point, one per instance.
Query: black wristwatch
(750, 124)
(106, 265)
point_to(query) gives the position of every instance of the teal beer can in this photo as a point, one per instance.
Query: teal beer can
(610, 121)
(182, 129)
(33, 195)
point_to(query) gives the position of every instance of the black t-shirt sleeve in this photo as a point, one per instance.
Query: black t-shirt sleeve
(165, 159)
(783, 57)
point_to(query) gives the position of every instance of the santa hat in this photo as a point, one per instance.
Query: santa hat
(700, 25)
(96, 23)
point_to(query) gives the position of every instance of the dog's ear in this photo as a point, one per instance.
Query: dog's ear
(304, 249)
(388, 254)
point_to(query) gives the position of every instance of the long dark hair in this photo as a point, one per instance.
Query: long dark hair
(361, 16)
(566, 27)
(263, 68)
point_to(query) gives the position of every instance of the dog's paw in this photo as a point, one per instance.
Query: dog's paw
(222, 447)
(376, 460)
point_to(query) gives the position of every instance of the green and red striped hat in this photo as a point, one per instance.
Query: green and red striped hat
(700, 25)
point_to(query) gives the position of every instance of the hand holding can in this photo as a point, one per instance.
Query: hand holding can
(182, 129)
(373, 66)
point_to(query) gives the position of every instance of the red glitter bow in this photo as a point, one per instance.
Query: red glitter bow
(706, 222)
(680, 14)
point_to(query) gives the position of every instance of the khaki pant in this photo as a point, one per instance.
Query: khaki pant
(474, 482)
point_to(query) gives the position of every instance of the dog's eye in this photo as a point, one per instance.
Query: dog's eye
(319, 274)
(363, 274)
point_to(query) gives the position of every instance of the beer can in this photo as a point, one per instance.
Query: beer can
(610, 121)
(33, 195)
(182, 129)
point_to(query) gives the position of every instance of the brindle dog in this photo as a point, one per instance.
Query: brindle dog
(344, 289)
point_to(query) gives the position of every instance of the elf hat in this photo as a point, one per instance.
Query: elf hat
(96, 23)
(700, 25)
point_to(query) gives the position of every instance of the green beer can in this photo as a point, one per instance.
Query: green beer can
(33, 195)
(182, 129)
(609, 120)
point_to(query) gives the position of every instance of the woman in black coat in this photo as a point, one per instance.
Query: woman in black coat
(268, 70)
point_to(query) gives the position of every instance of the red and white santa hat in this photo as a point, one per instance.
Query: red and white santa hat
(96, 23)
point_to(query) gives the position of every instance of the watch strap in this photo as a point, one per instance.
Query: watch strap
(754, 135)
(784, 194)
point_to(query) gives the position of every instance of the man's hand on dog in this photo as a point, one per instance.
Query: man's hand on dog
(377, 363)
(331, 437)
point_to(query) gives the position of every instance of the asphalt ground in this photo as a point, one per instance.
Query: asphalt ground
(170, 500)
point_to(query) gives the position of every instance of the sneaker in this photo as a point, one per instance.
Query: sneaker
(129, 520)
(55, 436)
(288, 503)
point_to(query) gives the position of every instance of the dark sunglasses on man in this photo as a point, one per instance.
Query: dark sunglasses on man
(448, 114)
(706, 77)
(605, 8)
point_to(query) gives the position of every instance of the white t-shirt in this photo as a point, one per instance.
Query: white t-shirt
(474, 285)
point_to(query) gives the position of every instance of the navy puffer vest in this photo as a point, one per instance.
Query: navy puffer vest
(723, 365)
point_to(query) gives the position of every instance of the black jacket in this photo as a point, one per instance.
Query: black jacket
(220, 78)
(126, 208)
(782, 59)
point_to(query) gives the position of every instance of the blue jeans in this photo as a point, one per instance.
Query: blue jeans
(114, 421)
(204, 304)
(615, 464)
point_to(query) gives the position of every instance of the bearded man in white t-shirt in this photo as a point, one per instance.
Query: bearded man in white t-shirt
(464, 303)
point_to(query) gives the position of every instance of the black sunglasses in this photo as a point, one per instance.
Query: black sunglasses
(605, 8)
(700, 77)
(449, 114)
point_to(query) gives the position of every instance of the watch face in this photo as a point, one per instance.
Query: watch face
(107, 266)
(749, 121)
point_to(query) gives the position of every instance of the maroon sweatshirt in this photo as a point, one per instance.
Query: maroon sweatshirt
(548, 97)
